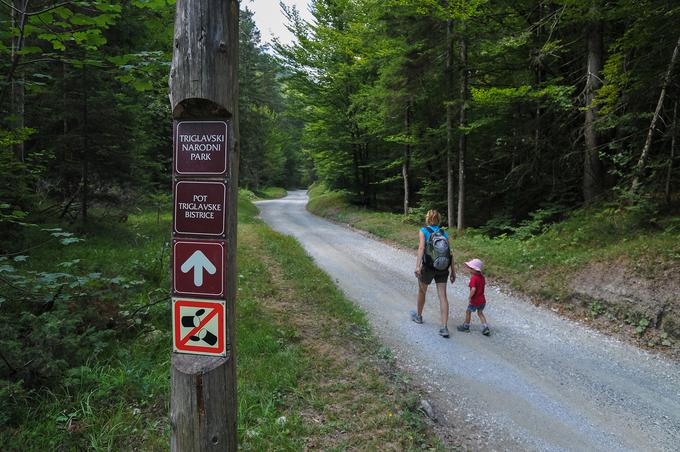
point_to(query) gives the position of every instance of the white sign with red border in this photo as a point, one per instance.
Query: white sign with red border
(199, 326)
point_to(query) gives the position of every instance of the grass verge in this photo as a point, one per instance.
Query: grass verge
(264, 193)
(310, 373)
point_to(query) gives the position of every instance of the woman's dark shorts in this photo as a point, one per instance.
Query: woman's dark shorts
(427, 274)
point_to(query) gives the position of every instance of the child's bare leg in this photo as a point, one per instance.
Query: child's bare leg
(481, 317)
(443, 303)
(468, 317)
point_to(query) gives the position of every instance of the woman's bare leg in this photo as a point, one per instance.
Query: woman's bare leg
(443, 303)
(422, 291)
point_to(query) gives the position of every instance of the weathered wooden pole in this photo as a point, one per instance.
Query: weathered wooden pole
(204, 101)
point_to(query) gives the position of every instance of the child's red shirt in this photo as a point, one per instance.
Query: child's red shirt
(478, 282)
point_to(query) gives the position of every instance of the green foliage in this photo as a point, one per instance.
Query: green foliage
(269, 144)
(271, 192)
(642, 325)
(597, 308)
(369, 79)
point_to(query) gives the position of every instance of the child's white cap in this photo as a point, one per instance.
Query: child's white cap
(475, 264)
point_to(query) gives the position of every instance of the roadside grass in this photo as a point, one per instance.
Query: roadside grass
(541, 264)
(263, 193)
(347, 396)
(271, 192)
(309, 371)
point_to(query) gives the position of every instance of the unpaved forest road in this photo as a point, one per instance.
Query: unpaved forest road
(540, 382)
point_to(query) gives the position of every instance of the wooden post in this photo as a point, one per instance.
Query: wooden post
(204, 85)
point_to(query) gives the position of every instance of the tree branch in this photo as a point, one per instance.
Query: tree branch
(17, 50)
(34, 13)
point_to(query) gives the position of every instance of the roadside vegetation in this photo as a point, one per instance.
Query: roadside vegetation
(264, 193)
(90, 358)
(547, 260)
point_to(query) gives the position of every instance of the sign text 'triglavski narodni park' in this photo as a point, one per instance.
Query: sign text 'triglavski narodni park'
(200, 148)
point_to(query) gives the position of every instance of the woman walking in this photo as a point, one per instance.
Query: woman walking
(434, 262)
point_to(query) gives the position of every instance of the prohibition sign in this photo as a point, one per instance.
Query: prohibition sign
(199, 326)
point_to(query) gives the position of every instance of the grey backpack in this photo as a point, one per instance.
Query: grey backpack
(437, 251)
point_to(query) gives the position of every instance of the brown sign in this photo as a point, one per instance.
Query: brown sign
(200, 147)
(198, 267)
(199, 208)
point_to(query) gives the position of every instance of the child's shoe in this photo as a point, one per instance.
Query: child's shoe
(416, 318)
(486, 331)
(463, 328)
(444, 332)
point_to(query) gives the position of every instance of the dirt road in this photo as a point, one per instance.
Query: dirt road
(540, 382)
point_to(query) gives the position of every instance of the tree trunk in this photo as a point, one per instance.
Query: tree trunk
(61, 153)
(406, 166)
(86, 151)
(17, 81)
(355, 168)
(204, 85)
(449, 123)
(669, 172)
(642, 162)
(462, 141)
(539, 80)
(592, 166)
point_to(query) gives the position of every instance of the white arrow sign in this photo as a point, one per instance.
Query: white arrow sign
(198, 262)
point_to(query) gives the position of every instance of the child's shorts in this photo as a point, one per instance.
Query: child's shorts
(479, 308)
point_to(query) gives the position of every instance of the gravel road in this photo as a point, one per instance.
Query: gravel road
(540, 382)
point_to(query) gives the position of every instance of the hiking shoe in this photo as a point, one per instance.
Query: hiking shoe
(416, 318)
(463, 328)
(486, 331)
(444, 332)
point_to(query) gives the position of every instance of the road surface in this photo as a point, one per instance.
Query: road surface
(540, 382)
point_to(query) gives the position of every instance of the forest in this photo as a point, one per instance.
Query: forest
(489, 110)
(498, 113)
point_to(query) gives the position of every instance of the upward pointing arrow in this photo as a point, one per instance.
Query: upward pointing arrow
(198, 262)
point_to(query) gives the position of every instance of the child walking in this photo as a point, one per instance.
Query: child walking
(477, 301)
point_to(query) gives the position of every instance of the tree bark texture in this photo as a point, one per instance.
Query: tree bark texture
(450, 193)
(592, 166)
(539, 80)
(406, 165)
(18, 21)
(204, 60)
(669, 172)
(204, 85)
(17, 82)
(642, 162)
(86, 151)
(462, 140)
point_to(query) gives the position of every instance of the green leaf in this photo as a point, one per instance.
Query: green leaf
(142, 85)
(70, 240)
(7, 269)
